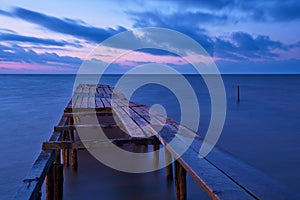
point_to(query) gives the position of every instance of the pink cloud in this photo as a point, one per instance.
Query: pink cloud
(15, 67)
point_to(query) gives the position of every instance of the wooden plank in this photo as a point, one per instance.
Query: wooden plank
(101, 92)
(99, 103)
(91, 102)
(107, 91)
(85, 90)
(78, 101)
(84, 103)
(106, 103)
(128, 125)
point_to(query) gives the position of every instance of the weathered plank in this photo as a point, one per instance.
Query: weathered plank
(84, 103)
(99, 103)
(78, 101)
(106, 103)
(128, 125)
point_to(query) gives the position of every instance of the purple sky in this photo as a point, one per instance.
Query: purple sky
(241, 36)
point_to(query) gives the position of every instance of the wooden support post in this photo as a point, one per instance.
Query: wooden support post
(65, 151)
(169, 170)
(156, 154)
(39, 196)
(145, 148)
(180, 181)
(58, 177)
(238, 94)
(177, 179)
(50, 184)
(74, 151)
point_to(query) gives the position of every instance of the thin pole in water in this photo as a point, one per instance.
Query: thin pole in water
(238, 94)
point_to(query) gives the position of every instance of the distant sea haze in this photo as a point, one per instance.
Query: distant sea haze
(262, 130)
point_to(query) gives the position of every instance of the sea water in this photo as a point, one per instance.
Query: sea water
(263, 130)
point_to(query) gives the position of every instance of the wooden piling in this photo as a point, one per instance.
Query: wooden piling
(155, 154)
(74, 151)
(50, 184)
(65, 151)
(177, 180)
(58, 177)
(145, 148)
(180, 181)
(238, 94)
(169, 170)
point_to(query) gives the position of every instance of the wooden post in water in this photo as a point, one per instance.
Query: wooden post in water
(50, 183)
(180, 181)
(74, 151)
(238, 94)
(156, 154)
(58, 177)
(169, 171)
(67, 151)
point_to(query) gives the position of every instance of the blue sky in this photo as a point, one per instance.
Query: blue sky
(241, 36)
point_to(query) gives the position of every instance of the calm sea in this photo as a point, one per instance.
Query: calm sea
(263, 130)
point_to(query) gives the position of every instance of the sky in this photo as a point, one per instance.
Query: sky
(239, 36)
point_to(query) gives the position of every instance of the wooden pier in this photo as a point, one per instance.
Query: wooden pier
(219, 175)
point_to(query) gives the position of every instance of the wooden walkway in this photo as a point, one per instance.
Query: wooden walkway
(219, 175)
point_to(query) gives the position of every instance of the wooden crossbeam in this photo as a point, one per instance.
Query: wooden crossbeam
(85, 144)
(72, 114)
(73, 127)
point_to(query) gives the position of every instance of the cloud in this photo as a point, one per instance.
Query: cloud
(75, 28)
(215, 4)
(18, 54)
(241, 46)
(152, 18)
(271, 11)
(183, 24)
(35, 40)
(5, 13)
